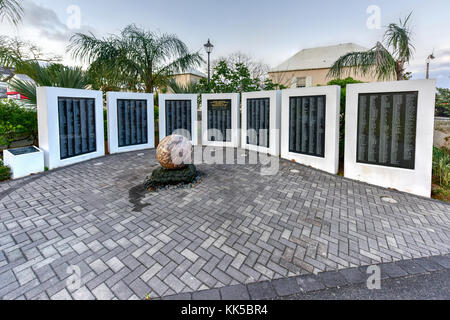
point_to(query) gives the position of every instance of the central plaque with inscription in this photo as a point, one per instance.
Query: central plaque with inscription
(307, 125)
(178, 116)
(219, 120)
(76, 126)
(387, 129)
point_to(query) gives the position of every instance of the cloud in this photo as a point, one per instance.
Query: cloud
(47, 24)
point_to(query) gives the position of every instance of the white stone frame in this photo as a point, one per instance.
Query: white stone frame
(113, 139)
(235, 119)
(275, 121)
(162, 114)
(417, 181)
(48, 124)
(330, 163)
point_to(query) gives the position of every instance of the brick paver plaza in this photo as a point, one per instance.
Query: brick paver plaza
(236, 227)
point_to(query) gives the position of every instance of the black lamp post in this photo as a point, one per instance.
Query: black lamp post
(209, 48)
(429, 58)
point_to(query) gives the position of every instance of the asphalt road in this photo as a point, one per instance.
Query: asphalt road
(434, 286)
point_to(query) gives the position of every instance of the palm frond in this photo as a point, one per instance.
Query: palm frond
(11, 10)
(398, 37)
(377, 62)
(191, 87)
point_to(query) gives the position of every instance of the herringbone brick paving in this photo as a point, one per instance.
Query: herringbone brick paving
(237, 226)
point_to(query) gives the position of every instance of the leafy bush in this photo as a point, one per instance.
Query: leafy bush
(5, 172)
(16, 123)
(443, 102)
(441, 166)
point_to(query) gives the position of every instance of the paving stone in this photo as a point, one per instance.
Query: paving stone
(391, 270)
(261, 290)
(411, 267)
(442, 260)
(212, 294)
(236, 227)
(333, 279)
(354, 275)
(236, 292)
(102, 292)
(286, 287)
(179, 297)
(310, 283)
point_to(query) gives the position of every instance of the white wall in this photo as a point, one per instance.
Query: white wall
(417, 181)
(330, 163)
(48, 124)
(275, 121)
(235, 119)
(162, 114)
(113, 138)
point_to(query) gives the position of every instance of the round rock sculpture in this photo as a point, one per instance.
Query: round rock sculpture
(174, 152)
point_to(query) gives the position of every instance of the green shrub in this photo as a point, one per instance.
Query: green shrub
(17, 123)
(441, 166)
(5, 172)
(343, 84)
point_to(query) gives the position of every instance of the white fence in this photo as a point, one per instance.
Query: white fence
(131, 124)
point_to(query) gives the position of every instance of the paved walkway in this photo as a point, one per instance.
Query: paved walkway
(236, 227)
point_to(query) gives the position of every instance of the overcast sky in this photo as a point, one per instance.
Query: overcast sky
(268, 30)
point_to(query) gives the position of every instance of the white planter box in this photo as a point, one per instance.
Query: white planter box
(234, 130)
(170, 100)
(130, 139)
(24, 161)
(328, 160)
(274, 105)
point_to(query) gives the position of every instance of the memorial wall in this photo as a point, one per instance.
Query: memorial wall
(389, 134)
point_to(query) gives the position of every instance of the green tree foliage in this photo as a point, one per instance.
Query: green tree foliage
(443, 102)
(136, 60)
(343, 84)
(236, 78)
(17, 123)
(52, 75)
(5, 172)
(385, 60)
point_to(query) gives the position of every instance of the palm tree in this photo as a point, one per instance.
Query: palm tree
(379, 61)
(52, 75)
(11, 10)
(136, 59)
(191, 87)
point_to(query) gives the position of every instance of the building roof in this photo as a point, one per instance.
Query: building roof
(317, 58)
(192, 71)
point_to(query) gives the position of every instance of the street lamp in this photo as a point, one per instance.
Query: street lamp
(209, 48)
(429, 58)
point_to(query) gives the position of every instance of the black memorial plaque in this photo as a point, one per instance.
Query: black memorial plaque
(387, 129)
(132, 122)
(307, 125)
(219, 120)
(178, 116)
(77, 134)
(258, 122)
